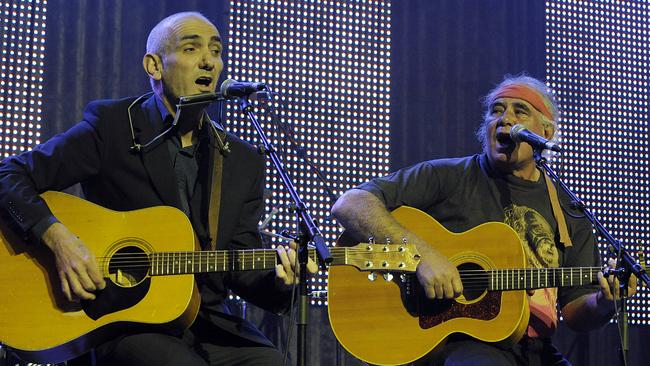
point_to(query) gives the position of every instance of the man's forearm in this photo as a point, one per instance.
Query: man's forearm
(363, 215)
(588, 312)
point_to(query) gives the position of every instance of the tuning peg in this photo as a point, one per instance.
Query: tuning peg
(318, 294)
(641, 257)
(371, 240)
(388, 241)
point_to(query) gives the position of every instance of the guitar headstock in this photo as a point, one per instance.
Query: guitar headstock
(383, 257)
(642, 261)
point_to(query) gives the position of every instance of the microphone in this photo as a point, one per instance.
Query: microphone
(231, 88)
(199, 98)
(519, 133)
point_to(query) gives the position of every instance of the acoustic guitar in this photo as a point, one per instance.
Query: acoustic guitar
(148, 258)
(386, 319)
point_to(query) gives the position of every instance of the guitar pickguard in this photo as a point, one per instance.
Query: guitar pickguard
(438, 311)
(431, 313)
(114, 298)
(127, 282)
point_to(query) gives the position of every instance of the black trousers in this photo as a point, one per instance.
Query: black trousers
(468, 352)
(201, 345)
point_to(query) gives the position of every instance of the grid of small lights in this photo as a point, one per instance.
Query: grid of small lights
(21, 74)
(329, 61)
(597, 62)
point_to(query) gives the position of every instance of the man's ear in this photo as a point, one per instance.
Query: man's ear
(549, 130)
(152, 66)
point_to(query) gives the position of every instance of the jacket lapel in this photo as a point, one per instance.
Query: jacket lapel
(156, 158)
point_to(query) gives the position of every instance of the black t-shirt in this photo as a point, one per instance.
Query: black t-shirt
(465, 192)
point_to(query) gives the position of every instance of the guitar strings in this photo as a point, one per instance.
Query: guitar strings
(472, 279)
(253, 253)
(143, 260)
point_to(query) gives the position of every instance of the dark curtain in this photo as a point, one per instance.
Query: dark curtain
(94, 50)
(447, 54)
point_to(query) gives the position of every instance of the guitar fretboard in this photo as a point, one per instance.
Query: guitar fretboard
(532, 278)
(172, 263)
(377, 257)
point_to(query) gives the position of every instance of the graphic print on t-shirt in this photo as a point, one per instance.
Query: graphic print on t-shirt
(538, 239)
(536, 235)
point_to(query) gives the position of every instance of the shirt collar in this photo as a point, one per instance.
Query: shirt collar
(167, 117)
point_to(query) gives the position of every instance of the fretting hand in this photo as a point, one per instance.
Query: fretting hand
(287, 272)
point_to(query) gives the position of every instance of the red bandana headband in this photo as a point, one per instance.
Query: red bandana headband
(524, 92)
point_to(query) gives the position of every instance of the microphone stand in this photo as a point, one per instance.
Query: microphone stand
(302, 153)
(309, 232)
(625, 264)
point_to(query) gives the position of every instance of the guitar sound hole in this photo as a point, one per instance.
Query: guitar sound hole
(128, 266)
(475, 280)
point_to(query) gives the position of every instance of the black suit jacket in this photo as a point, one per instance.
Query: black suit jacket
(97, 153)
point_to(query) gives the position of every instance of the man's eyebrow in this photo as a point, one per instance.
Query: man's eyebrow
(522, 106)
(190, 37)
(196, 36)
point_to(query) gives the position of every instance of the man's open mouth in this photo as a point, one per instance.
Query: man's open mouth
(204, 80)
(504, 138)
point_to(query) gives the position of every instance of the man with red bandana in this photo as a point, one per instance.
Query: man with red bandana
(501, 184)
(127, 154)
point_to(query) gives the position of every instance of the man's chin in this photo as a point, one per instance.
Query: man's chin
(206, 89)
(501, 155)
(502, 159)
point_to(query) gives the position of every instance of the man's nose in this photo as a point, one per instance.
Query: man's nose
(207, 61)
(508, 118)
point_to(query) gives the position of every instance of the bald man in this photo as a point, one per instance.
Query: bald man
(177, 167)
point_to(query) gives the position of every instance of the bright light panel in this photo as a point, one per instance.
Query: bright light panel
(330, 63)
(21, 74)
(597, 62)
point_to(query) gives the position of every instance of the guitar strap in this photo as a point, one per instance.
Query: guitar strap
(565, 239)
(215, 197)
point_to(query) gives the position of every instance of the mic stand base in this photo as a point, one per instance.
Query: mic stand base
(303, 305)
(623, 326)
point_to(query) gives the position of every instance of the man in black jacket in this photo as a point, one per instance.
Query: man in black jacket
(125, 159)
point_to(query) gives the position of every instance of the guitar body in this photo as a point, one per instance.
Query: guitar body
(388, 322)
(41, 326)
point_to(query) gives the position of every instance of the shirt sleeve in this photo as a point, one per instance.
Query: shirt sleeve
(62, 161)
(416, 186)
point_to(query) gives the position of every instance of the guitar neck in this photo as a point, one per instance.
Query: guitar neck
(174, 263)
(363, 256)
(534, 278)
